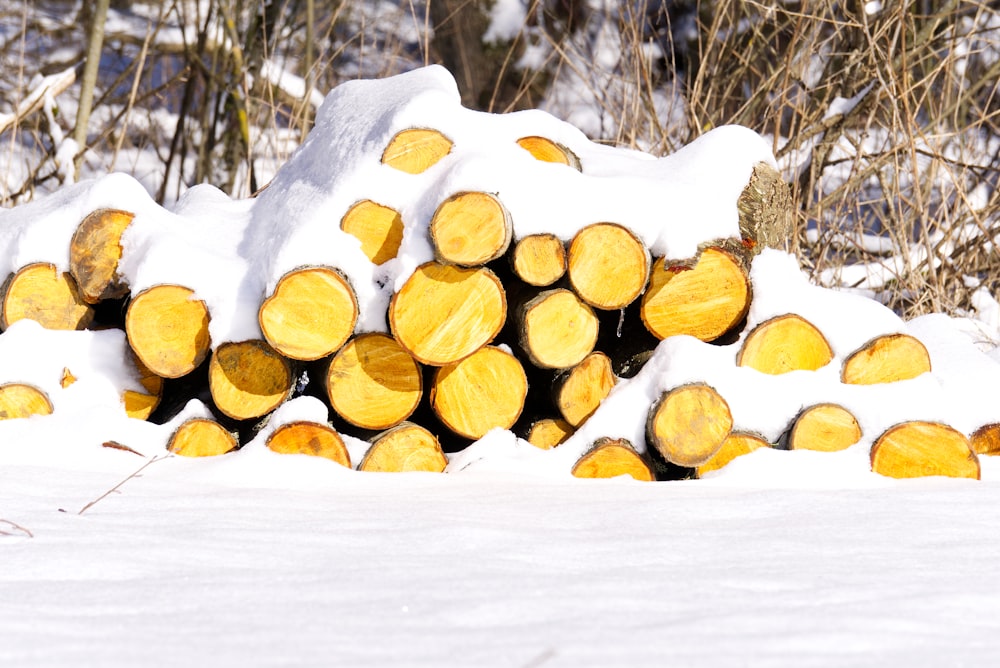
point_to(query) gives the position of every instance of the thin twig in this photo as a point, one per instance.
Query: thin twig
(134, 474)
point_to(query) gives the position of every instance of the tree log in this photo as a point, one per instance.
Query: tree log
(378, 227)
(470, 229)
(201, 437)
(19, 400)
(765, 211)
(916, 449)
(309, 438)
(46, 295)
(539, 259)
(986, 439)
(310, 314)
(610, 458)
(735, 445)
(824, 427)
(248, 379)
(168, 330)
(444, 313)
(415, 150)
(688, 424)
(547, 150)
(483, 391)
(580, 390)
(140, 405)
(405, 447)
(886, 359)
(94, 252)
(547, 433)
(373, 383)
(785, 343)
(608, 266)
(705, 301)
(556, 330)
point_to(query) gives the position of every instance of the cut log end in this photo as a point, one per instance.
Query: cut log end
(539, 259)
(735, 445)
(608, 265)
(689, 424)
(556, 330)
(546, 150)
(201, 437)
(547, 433)
(415, 150)
(248, 379)
(783, 344)
(482, 392)
(20, 400)
(379, 229)
(309, 438)
(610, 458)
(986, 439)
(168, 330)
(917, 449)
(405, 447)
(470, 229)
(42, 293)
(886, 359)
(825, 428)
(579, 391)
(94, 253)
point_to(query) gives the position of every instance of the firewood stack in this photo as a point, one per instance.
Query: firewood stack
(496, 328)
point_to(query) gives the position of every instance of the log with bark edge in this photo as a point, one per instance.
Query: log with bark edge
(824, 427)
(765, 211)
(303, 437)
(140, 405)
(610, 458)
(201, 437)
(555, 329)
(470, 229)
(310, 314)
(18, 400)
(737, 444)
(416, 149)
(608, 265)
(580, 390)
(41, 292)
(916, 449)
(379, 229)
(547, 433)
(704, 301)
(785, 343)
(94, 253)
(373, 383)
(539, 259)
(986, 439)
(405, 447)
(546, 150)
(248, 379)
(168, 329)
(886, 359)
(481, 392)
(444, 313)
(688, 424)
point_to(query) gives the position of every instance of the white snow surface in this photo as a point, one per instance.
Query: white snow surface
(256, 558)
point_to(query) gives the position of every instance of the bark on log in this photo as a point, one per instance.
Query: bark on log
(309, 438)
(735, 445)
(556, 330)
(916, 449)
(986, 439)
(580, 390)
(824, 427)
(46, 295)
(248, 379)
(705, 301)
(378, 227)
(405, 447)
(688, 424)
(610, 458)
(546, 150)
(310, 314)
(785, 343)
(94, 253)
(886, 359)
(765, 211)
(373, 383)
(608, 265)
(547, 433)
(539, 259)
(168, 330)
(443, 313)
(415, 150)
(483, 391)
(201, 437)
(470, 229)
(19, 400)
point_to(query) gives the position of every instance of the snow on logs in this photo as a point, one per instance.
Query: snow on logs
(436, 275)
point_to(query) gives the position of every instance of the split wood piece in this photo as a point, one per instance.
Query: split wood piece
(378, 227)
(736, 445)
(470, 229)
(19, 400)
(373, 383)
(168, 330)
(704, 301)
(416, 149)
(765, 211)
(610, 458)
(608, 265)
(547, 433)
(444, 313)
(688, 424)
(94, 253)
(405, 447)
(67, 378)
(140, 405)
(201, 437)
(886, 359)
(309, 438)
(539, 259)
(42, 293)
(556, 329)
(916, 449)
(785, 343)
(484, 391)
(546, 150)
(580, 390)
(986, 439)
(248, 379)
(310, 314)
(824, 427)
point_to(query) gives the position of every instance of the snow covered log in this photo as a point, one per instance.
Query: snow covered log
(303, 437)
(921, 448)
(404, 447)
(20, 400)
(610, 458)
(40, 292)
